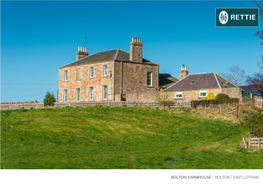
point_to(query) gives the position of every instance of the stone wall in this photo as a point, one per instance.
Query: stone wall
(131, 79)
(233, 92)
(207, 103)
(85, 82)
(94, 103)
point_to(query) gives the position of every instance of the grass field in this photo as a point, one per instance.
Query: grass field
(121, 138)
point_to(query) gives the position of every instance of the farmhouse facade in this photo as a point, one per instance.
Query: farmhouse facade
(113, 75)
(197, 86)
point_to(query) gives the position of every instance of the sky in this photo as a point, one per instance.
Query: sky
(39, 37)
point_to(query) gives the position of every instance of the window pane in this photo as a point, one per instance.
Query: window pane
(105, 70)
(105, 92)
(91, 72)
(65, 95)
(149, 78)
(66, 75)
(91, 93)
(78, 94)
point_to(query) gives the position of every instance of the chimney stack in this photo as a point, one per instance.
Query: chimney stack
(81, 53)
(183, 73)
(136, 50)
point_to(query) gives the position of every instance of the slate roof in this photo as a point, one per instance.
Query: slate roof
(246, 89)
(200, 81)
(166, 80)
(109, 55)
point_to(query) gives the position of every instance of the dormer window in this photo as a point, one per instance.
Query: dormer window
(223, 84)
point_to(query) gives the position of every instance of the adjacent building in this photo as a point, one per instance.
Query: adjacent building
(197, 86)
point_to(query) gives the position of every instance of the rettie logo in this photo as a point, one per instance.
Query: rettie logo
(237, 17)
(223, 17)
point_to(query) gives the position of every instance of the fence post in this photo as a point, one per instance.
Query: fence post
(259, 143)
(237, 110)
(249, 139)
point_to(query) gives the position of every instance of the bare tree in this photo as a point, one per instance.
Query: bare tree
(259, 33)
(256, 81)
(235, 75)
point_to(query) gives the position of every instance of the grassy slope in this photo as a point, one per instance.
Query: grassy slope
(94, 137)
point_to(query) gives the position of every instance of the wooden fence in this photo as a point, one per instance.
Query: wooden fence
(259, 101)
(253, 142)
(186, 104)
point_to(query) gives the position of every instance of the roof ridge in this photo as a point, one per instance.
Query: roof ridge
(227, 80)
(217, 80)
(117, 52)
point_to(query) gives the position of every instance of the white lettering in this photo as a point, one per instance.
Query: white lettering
(246, 16)
(237, 17)
(253, 17)
(232, 17)
(241, 15)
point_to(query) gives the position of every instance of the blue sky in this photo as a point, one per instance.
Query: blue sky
(39, 37)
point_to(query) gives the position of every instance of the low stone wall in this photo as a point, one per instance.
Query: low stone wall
(207, 103)
(12, 105)
(92, 104)
(248, 101)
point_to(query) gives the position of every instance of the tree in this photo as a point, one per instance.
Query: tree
(260, 33)
(256, 81)
(235, 75)
(162, 98)
(49, 99)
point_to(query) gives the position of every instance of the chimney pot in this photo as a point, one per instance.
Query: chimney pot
(78, 48)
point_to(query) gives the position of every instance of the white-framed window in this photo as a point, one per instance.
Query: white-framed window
(91, 93)
(149, 78)
(202, 93)
(91, 72)
(65, 75)
(78, 94)
(178, 95)
(105, 70)
(65, 95)
(78, 74)
(105, 92)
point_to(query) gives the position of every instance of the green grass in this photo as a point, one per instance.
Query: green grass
(121, 138)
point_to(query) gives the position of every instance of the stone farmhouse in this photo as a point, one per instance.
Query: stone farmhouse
(117, 75)
(197, 86)
(112, 75)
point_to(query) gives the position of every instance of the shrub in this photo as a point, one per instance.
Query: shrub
(161, 98)
(204, 98)
(49, 99)
(255, 122)
(222, 96)
(210, 95)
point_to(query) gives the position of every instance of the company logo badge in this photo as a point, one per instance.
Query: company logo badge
(223, 17)
(237, 17)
